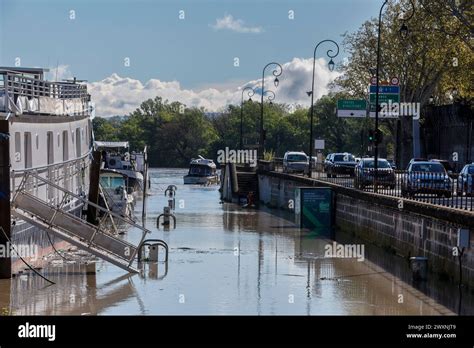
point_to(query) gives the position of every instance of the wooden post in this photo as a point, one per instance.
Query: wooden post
(94, 187)
(5, 217)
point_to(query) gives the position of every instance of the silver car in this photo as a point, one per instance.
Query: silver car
(295, 162)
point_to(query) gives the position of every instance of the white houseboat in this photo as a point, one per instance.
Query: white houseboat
(48, 125)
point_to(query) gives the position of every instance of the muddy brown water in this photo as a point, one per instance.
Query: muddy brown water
(228, 260)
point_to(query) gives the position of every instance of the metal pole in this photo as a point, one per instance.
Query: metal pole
(145, 183)
(376, 135)
(250, 93)
(262, 137)
(5, 213)
(241, 118)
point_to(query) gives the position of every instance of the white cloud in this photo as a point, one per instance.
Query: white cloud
(229, 23)
(116, 95)
(59, 73)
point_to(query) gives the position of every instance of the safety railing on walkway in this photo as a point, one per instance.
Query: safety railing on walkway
(453, 190)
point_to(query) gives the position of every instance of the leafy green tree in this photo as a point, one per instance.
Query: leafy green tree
(435, 59)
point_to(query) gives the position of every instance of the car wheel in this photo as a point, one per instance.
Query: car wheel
(447, 195)
(392, 187)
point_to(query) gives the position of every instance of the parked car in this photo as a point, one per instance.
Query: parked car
(465, 180)
(339, 163)
(426, 177)
(364, 173)
(295, 162)
(449, 168)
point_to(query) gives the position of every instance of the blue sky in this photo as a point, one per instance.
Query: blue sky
(94, 45)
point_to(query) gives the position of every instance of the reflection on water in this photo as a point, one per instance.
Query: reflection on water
(223, 260)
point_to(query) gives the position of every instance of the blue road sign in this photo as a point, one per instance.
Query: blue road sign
(385, 89)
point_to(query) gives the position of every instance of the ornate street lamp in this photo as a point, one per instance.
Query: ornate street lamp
(331, 65)
(276, 72)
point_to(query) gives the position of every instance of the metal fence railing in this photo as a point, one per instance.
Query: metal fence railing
(453, 190)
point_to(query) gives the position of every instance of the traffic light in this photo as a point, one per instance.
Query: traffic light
(375, 136)
(371, 136)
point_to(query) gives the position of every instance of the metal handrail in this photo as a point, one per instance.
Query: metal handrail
(84, 200)
(52, 164)
(18, 84)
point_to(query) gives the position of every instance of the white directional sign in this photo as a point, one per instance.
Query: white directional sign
(351, 108)
(351, 113)
(319, 144)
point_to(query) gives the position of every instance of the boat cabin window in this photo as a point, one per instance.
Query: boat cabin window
(200, 170)
(78, 142)
(28, 149)
(65, 145)
(112, 181)
(49, 141)
(17, 146)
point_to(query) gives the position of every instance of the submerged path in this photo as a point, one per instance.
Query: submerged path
(224, 260)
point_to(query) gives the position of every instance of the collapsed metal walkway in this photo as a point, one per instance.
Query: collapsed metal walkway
(96, 240)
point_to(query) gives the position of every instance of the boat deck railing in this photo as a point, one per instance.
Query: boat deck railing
(20, 93)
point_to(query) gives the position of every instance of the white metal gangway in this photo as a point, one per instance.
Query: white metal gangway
(95, 239)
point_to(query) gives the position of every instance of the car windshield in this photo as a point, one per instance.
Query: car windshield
(470, 170)
(344, 158)
(381, 164)
(428, 168)
(296, 158)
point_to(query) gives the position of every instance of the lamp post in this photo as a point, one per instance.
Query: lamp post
(403, 33)
(276, 72)
(331, 68)
(250, 93)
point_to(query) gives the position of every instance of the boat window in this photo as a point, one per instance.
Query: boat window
(28, 156)
(200, 170)
(111, 181)
(17, 146)
(65, 145)
(78, 142)
(49, 140)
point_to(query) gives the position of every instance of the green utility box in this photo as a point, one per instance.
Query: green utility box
(314, 209)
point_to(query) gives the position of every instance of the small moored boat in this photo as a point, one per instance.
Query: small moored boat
(202, 171)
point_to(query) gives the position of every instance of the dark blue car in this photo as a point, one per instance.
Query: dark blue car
(426, 177)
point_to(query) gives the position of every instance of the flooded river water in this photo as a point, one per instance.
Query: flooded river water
(228, 260)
